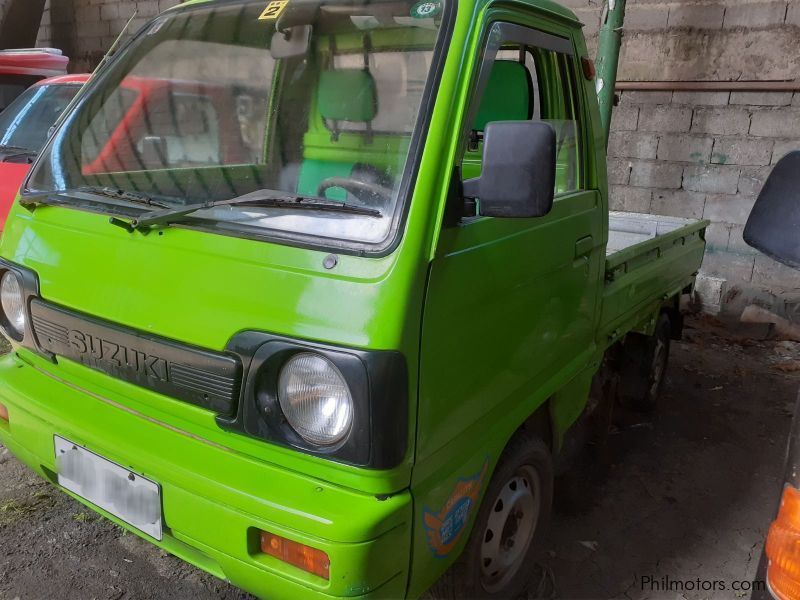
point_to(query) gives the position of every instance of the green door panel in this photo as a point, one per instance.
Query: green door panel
(509, 304)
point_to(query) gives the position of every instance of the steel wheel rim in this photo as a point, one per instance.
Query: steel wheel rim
(509, 531)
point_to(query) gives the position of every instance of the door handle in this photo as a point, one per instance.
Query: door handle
(584, 246)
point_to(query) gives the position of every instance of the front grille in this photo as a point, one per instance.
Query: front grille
(202, 377)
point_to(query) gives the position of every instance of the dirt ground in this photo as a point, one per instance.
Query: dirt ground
(685, 496)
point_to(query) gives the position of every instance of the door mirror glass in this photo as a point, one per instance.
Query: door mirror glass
(518, 172)
(774, 224)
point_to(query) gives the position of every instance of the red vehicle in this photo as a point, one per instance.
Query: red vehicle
(204, 124)
(20, 69)
(24, 126)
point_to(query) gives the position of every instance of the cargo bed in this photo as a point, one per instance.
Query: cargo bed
(649, 258)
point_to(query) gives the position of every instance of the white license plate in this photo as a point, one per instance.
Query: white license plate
(126, 495)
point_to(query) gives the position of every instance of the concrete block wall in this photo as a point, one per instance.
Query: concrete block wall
(85, 29)
(706, 154)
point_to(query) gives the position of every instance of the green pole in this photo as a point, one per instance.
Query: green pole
(607, 62)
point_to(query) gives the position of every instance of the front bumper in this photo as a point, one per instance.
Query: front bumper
(215, 499)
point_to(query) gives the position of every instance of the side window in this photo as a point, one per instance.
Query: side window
(527, 74)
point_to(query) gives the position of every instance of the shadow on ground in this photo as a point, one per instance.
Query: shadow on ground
(682, 498)
(686, 495)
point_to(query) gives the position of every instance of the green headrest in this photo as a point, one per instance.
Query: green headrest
(508, 95)
(347, 95)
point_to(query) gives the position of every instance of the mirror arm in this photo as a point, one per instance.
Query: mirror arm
(458, 205)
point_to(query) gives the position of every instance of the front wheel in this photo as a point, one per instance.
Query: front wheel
(498, 559)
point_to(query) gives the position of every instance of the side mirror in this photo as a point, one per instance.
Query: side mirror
(293, 41)
(519, 170)
(774, 224)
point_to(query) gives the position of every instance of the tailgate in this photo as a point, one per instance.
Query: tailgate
(649, 259)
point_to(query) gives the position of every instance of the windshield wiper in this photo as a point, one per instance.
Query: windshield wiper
(102, 195)
(259, 199)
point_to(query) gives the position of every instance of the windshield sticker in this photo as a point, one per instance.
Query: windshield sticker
(273, 10)
(444, 528)
(426, 9)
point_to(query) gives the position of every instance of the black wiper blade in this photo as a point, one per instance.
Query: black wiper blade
(125, 195)
(101, 195)
(260, 199)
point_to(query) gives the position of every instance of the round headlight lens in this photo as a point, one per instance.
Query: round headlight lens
(315, 399)
(13, 302)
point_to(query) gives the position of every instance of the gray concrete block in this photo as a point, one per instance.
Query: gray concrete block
(701, 98)
(754, 15)
(619, 171)
(793, 14)
(712, 179)
(668, 119)
(685, 148)
(751, 180)
(736, 243)
(625, 118)
(772, 273)
(630, 199)
(696, 16)
(709, 291)
(728, 266)
(656, 175)
(728, 208)
(645, 17)
(776, 123)
(632, 144)
(721, 121)
(783, 147)
(742, 151)
(718, 236)
(678, 203)
(762, 98)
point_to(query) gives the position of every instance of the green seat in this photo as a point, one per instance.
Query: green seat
(342, 95)
(507, 96)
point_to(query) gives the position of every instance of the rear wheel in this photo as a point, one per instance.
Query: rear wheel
(499, 557)
(644, 367)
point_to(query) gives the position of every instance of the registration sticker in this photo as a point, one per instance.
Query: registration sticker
(273, 10)
(425, 9)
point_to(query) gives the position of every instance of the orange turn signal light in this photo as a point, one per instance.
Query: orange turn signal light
(296, 554)
(783, 548)
(3, 412)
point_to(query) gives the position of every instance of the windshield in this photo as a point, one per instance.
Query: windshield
(211, 102)
(27, 121)
(11, 86)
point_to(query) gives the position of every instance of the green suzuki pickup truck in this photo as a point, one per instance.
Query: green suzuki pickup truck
(330, 346)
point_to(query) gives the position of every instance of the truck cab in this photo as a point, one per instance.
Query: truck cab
(318, 314)
(21, 68)
(24, 127)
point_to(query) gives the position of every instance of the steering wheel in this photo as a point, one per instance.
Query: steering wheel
(371, 194)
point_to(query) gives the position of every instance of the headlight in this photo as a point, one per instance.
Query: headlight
(315, 399)
(13, 302)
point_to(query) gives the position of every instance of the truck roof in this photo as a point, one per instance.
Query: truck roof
(548, 5)
(42, 62)
(65, 79)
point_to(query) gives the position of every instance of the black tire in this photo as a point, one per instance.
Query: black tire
(644, 367)
(525, 458)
